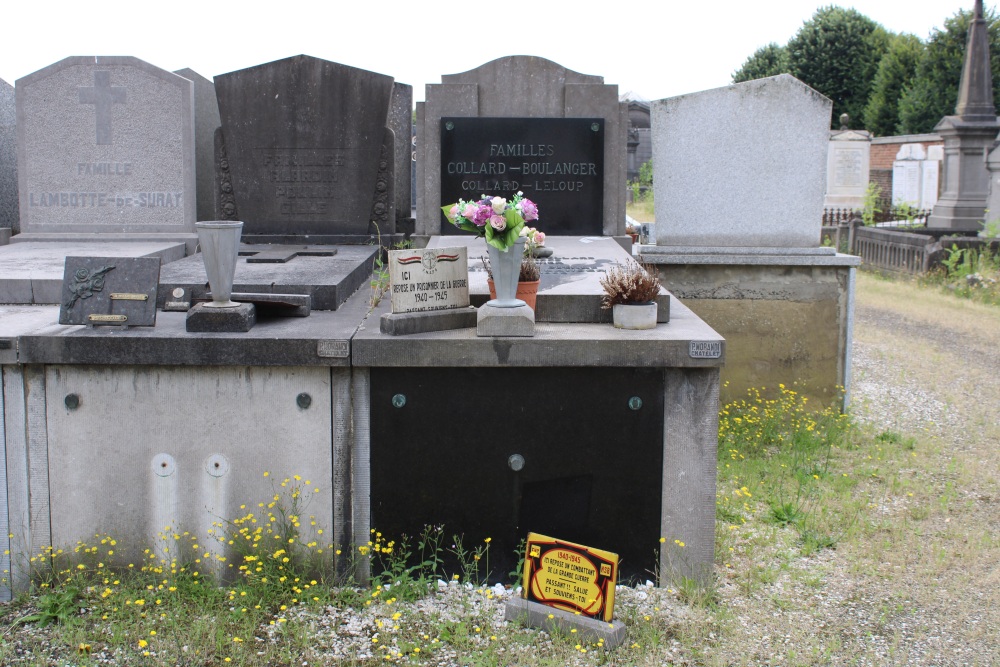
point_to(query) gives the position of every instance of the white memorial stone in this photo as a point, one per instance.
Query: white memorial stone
(906, 182)
(847, 169)
(428, 279)
(911, 152)
(929, 186)
(741, 166)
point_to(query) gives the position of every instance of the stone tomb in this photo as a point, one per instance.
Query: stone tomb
(308, 151)
(8, 162)
(740, 182)
(524, 123)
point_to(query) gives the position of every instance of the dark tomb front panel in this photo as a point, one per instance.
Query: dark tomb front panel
(558, 163)
(442, 440)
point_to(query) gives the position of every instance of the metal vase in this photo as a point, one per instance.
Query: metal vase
(506, 268)
(220, 246)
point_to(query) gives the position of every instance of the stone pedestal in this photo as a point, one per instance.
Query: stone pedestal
(204, 318)
(494, 321)
(962, 205)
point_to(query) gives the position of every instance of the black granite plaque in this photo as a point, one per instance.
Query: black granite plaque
(558, 163)
(118, 291)
(307, 149)
(592, 464)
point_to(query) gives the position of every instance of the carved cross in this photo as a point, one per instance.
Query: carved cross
(102, 95)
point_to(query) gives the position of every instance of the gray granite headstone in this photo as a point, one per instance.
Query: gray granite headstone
(110, 291)
(743, 165)
(105, 144)
(310, 150)
(8, 160)
(524, 87)
(206, 122)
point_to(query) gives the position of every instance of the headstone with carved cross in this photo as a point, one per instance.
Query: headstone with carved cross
(105, 145)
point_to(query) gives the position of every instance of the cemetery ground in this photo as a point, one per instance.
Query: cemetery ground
(871, 539)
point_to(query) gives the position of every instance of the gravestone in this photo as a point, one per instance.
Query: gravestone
(206, 121)
(907, 175)
(741, 166)
(8, 160)
(529, 124)
(105, 145)
(310, 151)
(847, 168)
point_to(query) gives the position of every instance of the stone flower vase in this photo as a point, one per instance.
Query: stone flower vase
(220, 246)
(634, 315)
(506, 268)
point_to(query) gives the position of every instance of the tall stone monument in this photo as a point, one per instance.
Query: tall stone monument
(968, 137)
(524, 123)
(8, 161)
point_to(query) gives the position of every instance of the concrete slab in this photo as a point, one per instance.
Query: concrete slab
(32, 272)
(535, 615)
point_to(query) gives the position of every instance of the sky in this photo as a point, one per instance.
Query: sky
(653, 49)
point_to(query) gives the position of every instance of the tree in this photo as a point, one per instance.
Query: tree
(933, 91)
(895, 72)
(837, 52)
(766, 61)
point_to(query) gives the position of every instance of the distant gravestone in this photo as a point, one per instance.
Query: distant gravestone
(907, 175)
(529, 124)
(8, 159)
(206, 121)
(105, 144)
(309, 149)
(847, 168)
(741, 166)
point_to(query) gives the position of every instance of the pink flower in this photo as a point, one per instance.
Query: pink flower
(539, 238)
(453, 214)
(470, 211)
(528, 210)
(498, 222)
(482, 215)
(499, 204)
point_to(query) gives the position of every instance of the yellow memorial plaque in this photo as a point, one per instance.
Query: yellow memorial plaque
(570, 576)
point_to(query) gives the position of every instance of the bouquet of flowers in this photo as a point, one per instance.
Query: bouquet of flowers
(497, 220)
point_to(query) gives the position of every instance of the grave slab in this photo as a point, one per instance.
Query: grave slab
(535, 615)
(32, 271)
(328, 274)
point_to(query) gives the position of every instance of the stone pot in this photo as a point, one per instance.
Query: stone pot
(220, 246)
(634, 315)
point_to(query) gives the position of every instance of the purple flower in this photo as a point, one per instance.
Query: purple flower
(528, 210)
(483, 213)
(498, 222)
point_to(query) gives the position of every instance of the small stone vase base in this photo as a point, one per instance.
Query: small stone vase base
(552, 620)
(238, 319)
(634, 316)
(494, 321)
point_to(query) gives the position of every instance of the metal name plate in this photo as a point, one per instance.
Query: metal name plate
(125, 296)
(107, 318)
(705, 349)
(337, 349)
